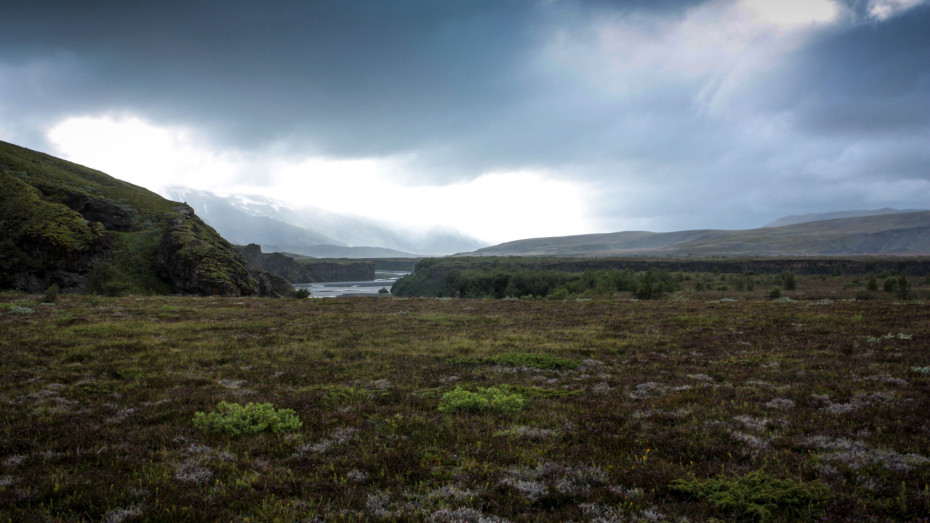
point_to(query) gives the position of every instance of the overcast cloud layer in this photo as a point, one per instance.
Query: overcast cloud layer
(653, 115)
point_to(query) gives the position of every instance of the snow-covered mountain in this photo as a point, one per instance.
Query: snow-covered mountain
(278, 227)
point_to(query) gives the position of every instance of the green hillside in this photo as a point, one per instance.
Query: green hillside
(901, 233)
(80, 229)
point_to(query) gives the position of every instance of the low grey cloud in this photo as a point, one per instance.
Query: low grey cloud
(682, 113)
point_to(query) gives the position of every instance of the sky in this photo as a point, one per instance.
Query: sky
(502, 119)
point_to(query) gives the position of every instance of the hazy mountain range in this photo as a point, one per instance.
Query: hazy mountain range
(881, 233)
(311, 231)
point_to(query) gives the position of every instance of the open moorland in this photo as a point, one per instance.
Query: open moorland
(703, 404)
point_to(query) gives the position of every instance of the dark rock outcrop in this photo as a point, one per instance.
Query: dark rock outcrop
(43, 242)
(307, 271)
(198, 262)
(270, 283)
(111, 216)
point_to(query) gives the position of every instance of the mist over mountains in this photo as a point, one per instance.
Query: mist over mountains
(311, 231)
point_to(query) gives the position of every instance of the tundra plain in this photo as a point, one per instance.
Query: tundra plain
(704, 404)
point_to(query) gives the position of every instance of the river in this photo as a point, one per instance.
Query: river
(336, 289)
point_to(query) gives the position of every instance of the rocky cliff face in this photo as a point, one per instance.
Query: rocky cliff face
(44, 242)
(307, 271)
(269, 282)
(64, 224)
(197, 262)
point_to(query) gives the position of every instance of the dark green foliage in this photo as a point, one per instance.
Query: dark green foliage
(757, 495)
(890, 284)
(899, 285)
(788, 281)
(865, 295)
(51, 293)
(106, 280)
(903, 288)
(872, 284)
(654, 284)
(302, 293)
(502, 279)
(775, 293)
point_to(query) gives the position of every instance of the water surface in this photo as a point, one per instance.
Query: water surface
(334, 289)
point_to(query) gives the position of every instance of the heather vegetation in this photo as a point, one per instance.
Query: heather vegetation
(704, 404)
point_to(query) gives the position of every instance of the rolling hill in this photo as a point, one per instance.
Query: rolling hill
(78, 228)
(896, 233)
(820, 216)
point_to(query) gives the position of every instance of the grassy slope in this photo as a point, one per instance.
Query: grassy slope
(896, 233)
(98, 398)
(44, 183)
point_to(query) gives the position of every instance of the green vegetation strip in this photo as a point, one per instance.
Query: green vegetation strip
(235, 419)
(757, 495)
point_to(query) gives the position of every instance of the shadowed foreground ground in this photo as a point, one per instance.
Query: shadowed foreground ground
(661, 410)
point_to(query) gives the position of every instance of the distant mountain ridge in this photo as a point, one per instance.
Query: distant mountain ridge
(896, 233)
(820, 216)
(311, 231)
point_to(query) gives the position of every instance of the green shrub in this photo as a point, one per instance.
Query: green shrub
(756, 495)
(903, 288)
(872, 284)
(302, 293)
(51, 293)
(235, 419)
(788, 281)
(775, 294)
(491, 398)
(890, 284)
(864, 295)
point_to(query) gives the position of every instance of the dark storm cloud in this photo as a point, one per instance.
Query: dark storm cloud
(468, 87)
(350, 78)
(357, 78)
(869, 79)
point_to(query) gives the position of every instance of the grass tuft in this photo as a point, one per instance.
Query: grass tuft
(235, 419)
(484, 399)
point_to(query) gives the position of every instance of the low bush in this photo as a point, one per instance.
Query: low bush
(51, 293)
(302, 293)
(491, 398)
(757, 495)
(235, 419)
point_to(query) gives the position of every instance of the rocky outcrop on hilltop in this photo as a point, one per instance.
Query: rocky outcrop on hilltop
(197, 262)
